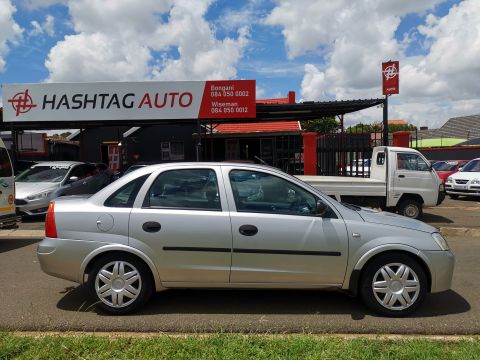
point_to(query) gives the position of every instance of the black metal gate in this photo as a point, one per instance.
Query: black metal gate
(347, 153)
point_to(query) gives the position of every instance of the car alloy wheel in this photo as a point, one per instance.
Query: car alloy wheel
(396, 286)
(118, 284)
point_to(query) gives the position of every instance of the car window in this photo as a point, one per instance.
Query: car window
(125, 196)
(5, 165)
(380, 158)
(412, 162)
(472, 166)
(43, 173)
(256, 191)
(195, 189)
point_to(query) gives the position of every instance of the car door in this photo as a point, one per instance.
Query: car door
(413, 174)
(277, 238)
(184, 221)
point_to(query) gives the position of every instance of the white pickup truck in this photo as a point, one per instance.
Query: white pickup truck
(401, 180)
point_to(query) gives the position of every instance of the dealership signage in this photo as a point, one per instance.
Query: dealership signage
(390, 75)
(129, 101)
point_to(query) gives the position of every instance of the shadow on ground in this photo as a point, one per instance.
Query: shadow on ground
(12, 244)
(435, 219)
(271, 302)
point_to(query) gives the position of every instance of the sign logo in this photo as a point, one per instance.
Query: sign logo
(390, 72)
(22, 103)
(391, 75)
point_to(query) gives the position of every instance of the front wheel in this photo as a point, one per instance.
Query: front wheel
(453, 196)
(120, 283)
(393, 285)
(410, 208)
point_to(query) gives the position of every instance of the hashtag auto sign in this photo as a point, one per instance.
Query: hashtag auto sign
(390, 76)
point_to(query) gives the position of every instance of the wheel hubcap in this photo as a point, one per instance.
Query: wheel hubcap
(396, 286)
(411, 211)
(118, 284)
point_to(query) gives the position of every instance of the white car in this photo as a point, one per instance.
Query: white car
(466, 181)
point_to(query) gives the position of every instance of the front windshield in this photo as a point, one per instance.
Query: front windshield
(472, 166)
(43, 173)
(445, 166)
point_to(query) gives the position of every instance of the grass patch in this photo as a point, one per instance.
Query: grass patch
(230, 346)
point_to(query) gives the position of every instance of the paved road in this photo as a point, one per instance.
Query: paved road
(32, 300)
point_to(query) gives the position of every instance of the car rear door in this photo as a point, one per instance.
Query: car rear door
(183, 220)
(7, 184)
(277, 238)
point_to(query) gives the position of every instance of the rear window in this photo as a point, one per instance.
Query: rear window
(125, 196)
(5, 165)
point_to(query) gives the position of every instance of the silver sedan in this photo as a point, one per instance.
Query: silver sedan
(194, 225)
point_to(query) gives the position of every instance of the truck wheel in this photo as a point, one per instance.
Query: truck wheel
(410, 208)
(453, 196)
(120, 283)
(393, 285)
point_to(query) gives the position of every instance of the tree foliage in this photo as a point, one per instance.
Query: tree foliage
(378, 127)
(321, 125)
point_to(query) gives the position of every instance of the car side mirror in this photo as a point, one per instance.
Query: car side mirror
(72, 179)
(321, 208)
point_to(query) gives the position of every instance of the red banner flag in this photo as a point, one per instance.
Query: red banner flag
(390, 76)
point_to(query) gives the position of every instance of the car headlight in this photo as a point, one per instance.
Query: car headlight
(39, 196)
(449, 180)
(475, 181)
(440, 240)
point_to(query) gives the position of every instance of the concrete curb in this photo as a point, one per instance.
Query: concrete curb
(460, 231)
(22, 234)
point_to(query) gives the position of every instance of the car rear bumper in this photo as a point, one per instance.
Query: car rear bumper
(63, 257)
(442, 264)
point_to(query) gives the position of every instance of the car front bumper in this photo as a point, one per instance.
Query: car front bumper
(442, 264)
(35, 207)
(462, 189)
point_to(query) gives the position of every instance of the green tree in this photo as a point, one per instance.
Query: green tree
(323, 125)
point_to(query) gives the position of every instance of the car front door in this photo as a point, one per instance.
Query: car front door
(413, 174)
(184, 221)
(277, 236)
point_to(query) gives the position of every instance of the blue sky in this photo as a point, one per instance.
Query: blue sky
(322, 50)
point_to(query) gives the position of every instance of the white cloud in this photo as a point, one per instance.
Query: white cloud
(10, 31)
(138, 44)
(47, 27)
(432, 86)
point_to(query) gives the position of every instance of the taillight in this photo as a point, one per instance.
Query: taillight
(50, 227)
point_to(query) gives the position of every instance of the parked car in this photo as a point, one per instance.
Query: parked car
(446, 168)
(42, 182)
(8, 216)
(230, 225)
(360, 167)
(466, 181)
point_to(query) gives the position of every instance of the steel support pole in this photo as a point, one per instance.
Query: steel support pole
(385, 121)
(199, 140)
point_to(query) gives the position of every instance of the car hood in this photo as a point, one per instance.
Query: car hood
(24, 189)
(387, 218)
(466, 175)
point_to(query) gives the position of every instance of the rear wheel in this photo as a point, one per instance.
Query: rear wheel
(393, 285)
(120, 283)
(410, 208)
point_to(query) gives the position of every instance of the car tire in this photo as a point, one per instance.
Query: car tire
(453, 196)
(410, 208)
(120, 283)
(393, 285)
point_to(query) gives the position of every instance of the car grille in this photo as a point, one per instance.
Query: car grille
(461, 182)
(20, 202)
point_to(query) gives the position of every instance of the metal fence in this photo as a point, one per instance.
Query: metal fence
(347, 153)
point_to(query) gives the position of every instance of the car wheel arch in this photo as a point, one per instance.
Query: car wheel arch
(356, 273)
(91, 258)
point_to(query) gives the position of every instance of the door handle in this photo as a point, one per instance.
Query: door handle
(401, 176)
(248, 230)
(151, 226)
